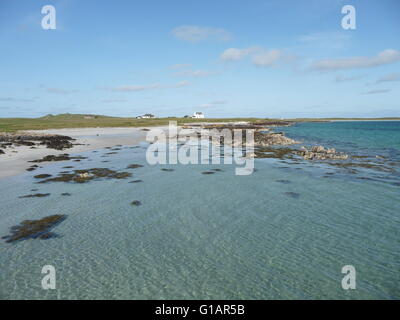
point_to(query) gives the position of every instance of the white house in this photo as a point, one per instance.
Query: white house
(145, 116)
(198, 115)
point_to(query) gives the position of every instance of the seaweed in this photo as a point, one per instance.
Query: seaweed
(33, 229)
(36, 195)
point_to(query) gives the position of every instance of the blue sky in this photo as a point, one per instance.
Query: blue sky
(226, 58)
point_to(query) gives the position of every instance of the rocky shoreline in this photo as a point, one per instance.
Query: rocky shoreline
(51, 141)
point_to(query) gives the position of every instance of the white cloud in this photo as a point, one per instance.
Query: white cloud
(234, 54)
(198, 33)
(378, 91)
(260, 57)
(384, 57)
(267, 58)
(341, 78)
(389, 78)
(130, 88)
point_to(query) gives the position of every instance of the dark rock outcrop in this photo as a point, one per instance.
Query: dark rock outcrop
(33, 229)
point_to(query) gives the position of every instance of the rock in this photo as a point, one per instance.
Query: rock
(42, 176)
(136, 203)
(283, 181)
(167, 170)
(61, 157)
(57, 142)
(32, 229)
(36, 195)
(320, 153)
(135, 181)
(293, 195)
(134, 166)
(272, 139)
(83, 176)
(2, 152)
(66, 194)
(208, 172)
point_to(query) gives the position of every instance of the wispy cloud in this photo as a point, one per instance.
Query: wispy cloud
(12, 99)
(341, 78)
(235, 54)
(195, 73)
(113, 100)
(335, 40)
(387, 56)
(132, 88)
(260, 57)
(59, 91)
(389, 78)
(212, 104)
(378, 91)
(180, 66)
(199, 33)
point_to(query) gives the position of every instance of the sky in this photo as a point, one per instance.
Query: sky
(225, 58)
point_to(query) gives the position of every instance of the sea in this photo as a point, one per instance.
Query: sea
(289, 230)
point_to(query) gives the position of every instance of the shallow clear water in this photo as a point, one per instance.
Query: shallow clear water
(217, 236)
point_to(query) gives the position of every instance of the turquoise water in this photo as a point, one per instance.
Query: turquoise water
(217, 236)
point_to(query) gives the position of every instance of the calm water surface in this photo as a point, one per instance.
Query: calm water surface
(283, 232)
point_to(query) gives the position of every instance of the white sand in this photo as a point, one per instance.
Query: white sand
(15, 160)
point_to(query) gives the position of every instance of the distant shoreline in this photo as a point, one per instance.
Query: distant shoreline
(75, 121)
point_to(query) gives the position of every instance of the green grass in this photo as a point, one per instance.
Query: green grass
(78, 121)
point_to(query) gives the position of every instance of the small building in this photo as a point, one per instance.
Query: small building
(198, 115)
(146, 116)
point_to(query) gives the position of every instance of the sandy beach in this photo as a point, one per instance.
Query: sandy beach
(15, 160)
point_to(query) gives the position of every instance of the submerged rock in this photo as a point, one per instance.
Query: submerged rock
(82, 176)
(136, 203)
(32, 229)
(61, 157)
(208, 172)
(42, 176)
(167, 170)
(134, 166)
(320, 153)
(283, 181)
(293, 195)
(135, 181)
(36, 195)
(66, 194)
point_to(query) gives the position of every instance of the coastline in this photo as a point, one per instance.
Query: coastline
(16, 159)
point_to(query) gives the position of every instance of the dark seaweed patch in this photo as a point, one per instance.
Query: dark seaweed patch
(293, 195)
(33, 229)
(36, 195)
